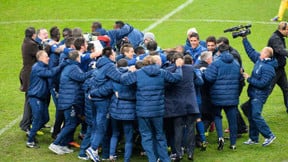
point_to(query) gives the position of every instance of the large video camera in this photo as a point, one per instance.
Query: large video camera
(240, 30)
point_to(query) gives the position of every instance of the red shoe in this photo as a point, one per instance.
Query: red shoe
(212, 127)
(227, 130)
(74, 144)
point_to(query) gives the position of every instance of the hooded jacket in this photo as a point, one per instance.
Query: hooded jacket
(150, 81)
(223, 77)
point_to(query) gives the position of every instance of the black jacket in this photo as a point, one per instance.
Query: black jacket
(277, 43)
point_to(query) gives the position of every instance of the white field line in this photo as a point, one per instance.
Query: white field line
(10, 125)
(138, 20)
(158, 21)
(166, 17)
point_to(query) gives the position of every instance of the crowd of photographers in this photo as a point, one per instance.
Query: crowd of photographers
(109, 80)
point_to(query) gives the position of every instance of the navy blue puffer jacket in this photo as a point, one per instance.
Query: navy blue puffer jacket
(262, 74)
(70, 89)
(223, 77)
(150, 89)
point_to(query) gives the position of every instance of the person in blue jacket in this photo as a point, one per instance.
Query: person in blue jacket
(122, 112)
(37, 93)
(181, 106)
(223, 77)
(150, 104)
(134, 36)
(195, 48)
(258, 91)
(70, 101)
(105, 71)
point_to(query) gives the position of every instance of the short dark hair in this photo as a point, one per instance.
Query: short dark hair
(223, 40)
(139, 64)
(194, 35)
(152, 45)
(69, 41)
(79, 42)
(122, 63)
(107, 51)
(54, 32)
(223, 47)
(90, 47)
(176, 56)
(211, 39)
(67, 32)
(139, 50)
(73, 55)
(119, 23)
(96, 25)
(188, 59)
(29, 32)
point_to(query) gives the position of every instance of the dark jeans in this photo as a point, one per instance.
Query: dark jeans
(27, 115)
(231, 114)
(179, 124)
(281, 80)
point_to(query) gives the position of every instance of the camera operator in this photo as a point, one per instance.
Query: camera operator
(277, 43)
(258, 91)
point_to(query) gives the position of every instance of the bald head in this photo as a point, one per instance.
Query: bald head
(267, 52)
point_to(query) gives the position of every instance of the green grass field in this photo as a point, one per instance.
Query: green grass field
(209, 17)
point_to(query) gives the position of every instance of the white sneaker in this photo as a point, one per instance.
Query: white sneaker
(250, 142)
(56, 149)
(66, 150)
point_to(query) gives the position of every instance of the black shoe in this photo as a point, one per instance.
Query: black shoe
(220, 144)
(32, 145)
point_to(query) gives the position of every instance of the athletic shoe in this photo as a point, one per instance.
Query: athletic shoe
(32, 145)
(74, 144)
(227, 130)
(93, 155)
(233, 147)
(268, 141)
(83, 157)
(66, 150)
(203, 146)
(276, 18)
(250, 142)
(220, 143)
(56, 149)
(40, 133)
(47, 126)
(190, 157)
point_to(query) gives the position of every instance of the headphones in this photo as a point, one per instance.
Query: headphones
(285, 25)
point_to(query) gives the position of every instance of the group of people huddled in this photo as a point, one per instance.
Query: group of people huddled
(120, 82)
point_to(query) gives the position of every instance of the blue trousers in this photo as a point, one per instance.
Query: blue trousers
(128, 133)
(153, 138)
(231, 114)
(38, 116)
(69, 127)
(100, 123)
(256, 121)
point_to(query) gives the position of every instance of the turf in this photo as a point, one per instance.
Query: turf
(209, 17)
